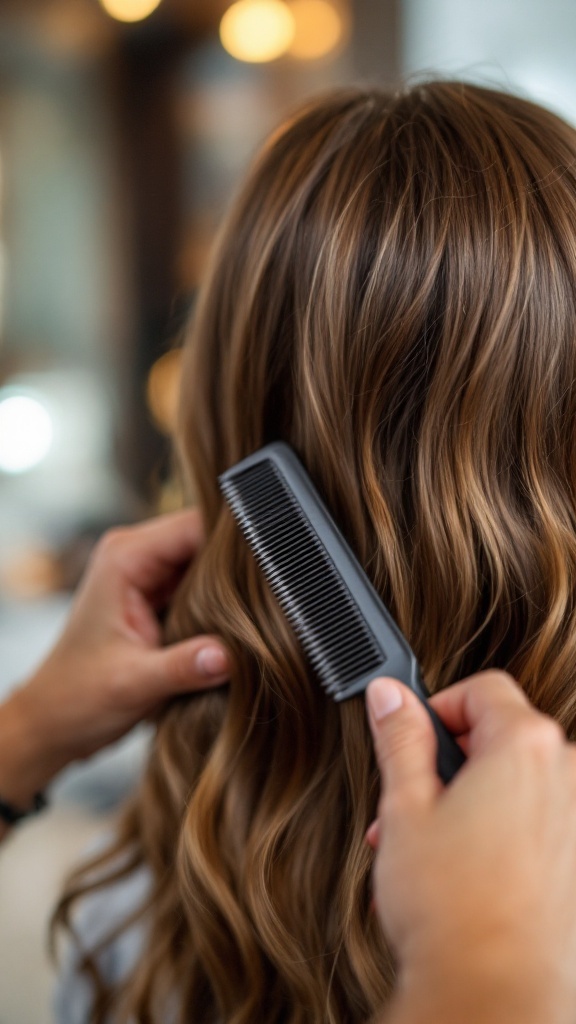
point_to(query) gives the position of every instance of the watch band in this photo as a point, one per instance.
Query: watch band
(11, 814)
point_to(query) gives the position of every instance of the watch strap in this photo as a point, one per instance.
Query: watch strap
(11, 814)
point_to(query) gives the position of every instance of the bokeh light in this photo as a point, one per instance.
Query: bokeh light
(26, 433)
(318, 28)
(130, 10)
(257, 30)
(163, 389)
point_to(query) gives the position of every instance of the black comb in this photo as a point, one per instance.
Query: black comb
(347, 633)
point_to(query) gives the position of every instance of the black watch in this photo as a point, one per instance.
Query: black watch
(11, 814)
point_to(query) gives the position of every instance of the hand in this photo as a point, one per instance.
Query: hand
(475, 883)
(108, 670)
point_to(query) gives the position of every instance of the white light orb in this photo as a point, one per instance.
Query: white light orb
(26, 433)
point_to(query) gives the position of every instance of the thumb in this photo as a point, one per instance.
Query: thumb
(195, 664)
(404, 741)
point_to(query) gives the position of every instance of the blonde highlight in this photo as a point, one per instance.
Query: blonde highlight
(394, 294)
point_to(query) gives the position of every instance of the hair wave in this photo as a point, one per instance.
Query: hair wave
(393, 294)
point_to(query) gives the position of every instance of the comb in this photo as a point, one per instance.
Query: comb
(347, 633)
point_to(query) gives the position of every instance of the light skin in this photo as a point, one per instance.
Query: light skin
(475, 883)
(109, 669)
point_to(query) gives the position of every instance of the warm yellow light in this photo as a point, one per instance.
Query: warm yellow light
(130, 10)
(257, 30)
(319, 28)
(163, 389)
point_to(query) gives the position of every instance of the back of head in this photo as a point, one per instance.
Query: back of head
(394, 295)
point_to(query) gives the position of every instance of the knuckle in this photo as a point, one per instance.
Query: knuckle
(502, 676)
(554, 732)
(539, 734)
(498, 676)
(550, 732)
(111, 544)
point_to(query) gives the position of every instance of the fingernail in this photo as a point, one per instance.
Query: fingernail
(383, 697)
(212, 661)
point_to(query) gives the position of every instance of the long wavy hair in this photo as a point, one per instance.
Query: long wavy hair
(394, 294)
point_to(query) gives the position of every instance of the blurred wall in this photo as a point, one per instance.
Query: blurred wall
(519, 44)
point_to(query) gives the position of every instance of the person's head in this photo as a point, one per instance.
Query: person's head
(394, 295)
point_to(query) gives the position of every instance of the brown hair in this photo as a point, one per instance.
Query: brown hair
(394, 294)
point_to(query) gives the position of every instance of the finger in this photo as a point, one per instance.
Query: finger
(463, 705)
(372, 835)
(404, 741)
(185, 667)
(150, 555)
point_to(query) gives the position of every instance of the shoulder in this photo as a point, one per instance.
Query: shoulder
(98, 915)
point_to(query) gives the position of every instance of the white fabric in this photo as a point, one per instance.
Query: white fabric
(98, 914)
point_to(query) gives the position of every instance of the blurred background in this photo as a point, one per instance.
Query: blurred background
(125, 126)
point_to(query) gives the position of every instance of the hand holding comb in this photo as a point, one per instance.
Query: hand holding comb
(346, 631)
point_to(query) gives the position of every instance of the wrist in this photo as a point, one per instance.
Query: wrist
(28, 760)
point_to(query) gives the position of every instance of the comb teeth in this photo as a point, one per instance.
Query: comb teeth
(338, 643)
